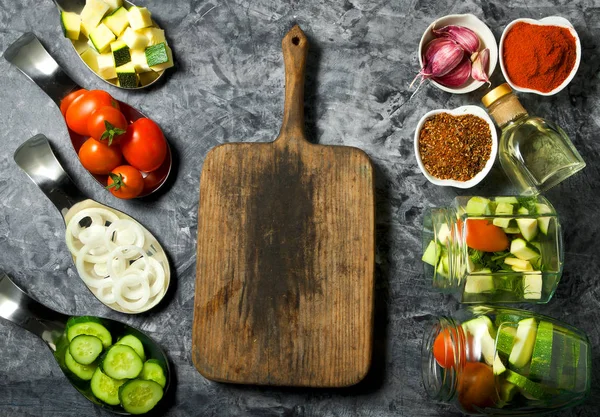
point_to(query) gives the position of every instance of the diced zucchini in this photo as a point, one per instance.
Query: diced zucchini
(154, 371)
(504, 209)
(522, 210)
(498, 367)
(117, 22)
(106, 388)
(442, 268)
(506, 339)
(528, 228)
(88, 325)
(106, 66)
(477, 206)
(533, 389)
(521, 250)
(134, 343)
(165, 65)
(148, 77)
(532, 285)
(90, 57)
(139, 17)
(519, 263)
(113, 4)
(102, 37)
(502, 222)
(85, 349)
(542, 352)
(92, 14)
(138, 57)
(80, 45)
(154, 35)
(432, 253)
(127, 76)
(483, 332)
(443, 233)
(120, 52)
(140, 396)
(507, 391)
(134, 39)
(479, 283)
(505, 199)
(120, 362)
(71, 24)
(157, 54)
(543, 222)
(520, 354)
(512, 230)
(84, 372)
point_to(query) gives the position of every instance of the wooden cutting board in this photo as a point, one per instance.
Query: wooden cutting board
(286, 255)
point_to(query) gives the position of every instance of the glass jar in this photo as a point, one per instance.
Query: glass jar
(492, 361)
(494, 250)
(535, 154)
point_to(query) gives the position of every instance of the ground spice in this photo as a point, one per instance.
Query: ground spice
(455, 147)
(538, 57)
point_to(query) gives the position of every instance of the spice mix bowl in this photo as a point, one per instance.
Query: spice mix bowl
(555, 52)
(486, 38)
(456, 152)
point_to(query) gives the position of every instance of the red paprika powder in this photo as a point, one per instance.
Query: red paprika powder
(538, 57)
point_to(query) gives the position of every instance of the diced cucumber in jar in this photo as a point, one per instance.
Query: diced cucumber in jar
(106, 388)
(512, 230)
(520, 354)
(432, 254)
(90, 326)
(140, 396)
(134, 343)
(542, 352)
(528, 228)
(483, 333)
(478, 206)
(121, 362)
(532, 285)
(519, 264)
(85, 349)
(84, 372)
(154, 371)
(442, 268)
(522, 250)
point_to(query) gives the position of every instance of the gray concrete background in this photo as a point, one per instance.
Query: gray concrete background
(228, 86)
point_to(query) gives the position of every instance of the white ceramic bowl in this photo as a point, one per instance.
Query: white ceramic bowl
(459, 111)
(547, 21)
(486, 38)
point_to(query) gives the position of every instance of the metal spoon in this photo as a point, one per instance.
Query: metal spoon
(30, 57)
(76, 6)
(36, 158)
(49, 325)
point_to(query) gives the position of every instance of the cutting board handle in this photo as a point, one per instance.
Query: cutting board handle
(295, 50)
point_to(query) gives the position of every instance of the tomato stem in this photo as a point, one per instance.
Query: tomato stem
(110, 132)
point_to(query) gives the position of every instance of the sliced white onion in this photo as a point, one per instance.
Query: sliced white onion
(132, 280)
(92, 234)
(157, 276)
(98, 217)
(126, 233)
(90, 278)
(121, 254)
(105, 292)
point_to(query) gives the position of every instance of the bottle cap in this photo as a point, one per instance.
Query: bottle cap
(495, 94)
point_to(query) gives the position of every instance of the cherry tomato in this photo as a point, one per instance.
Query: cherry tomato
(107, 124)
(125, 182)
(445, 344)
(476, 386)
(483, 235)
(99, 158)
(66, 102)
(83, 106)
(144, 145)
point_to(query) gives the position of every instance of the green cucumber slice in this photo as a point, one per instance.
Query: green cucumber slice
(140, 396)
(85, 349)
(106, 388)
(542, 352)
(84, 372)
(134, 343)
(153, 371)
(528, 228)
(520, 354)
(88, 325)
(121, 362)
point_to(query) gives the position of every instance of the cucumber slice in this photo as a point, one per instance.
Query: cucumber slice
(88, 325)
(542, 352)
(85, 349)
(520, 354)
(140, 396)
(106, 388)
(134, 343)
(482, 330)
(153, 371)
(121, 362)
(521, 250)
(506, 339)
(477, 206)
(84, 372)
(432, 253)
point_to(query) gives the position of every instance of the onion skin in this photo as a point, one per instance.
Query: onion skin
(458, 76)
(465, 37)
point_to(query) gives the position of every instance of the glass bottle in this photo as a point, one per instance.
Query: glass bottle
(535, 154)
(501, 361)
(494, 250)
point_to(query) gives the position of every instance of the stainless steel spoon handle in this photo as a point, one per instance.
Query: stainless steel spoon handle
(21, 309)
(36, 158)
(28, 55)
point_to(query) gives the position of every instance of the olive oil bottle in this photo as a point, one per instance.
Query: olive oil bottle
(535, 154)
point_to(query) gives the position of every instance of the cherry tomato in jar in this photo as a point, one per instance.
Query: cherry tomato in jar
(107, 124)
(476, 386)
(484, 236)
(66, 102)
(446, 343)
(144, 145)
(82, 108)
(99, 158)
(125, 182)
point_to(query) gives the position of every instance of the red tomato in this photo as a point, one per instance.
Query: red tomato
(66, 102)
(445, 344)
(107, 123)
(484, 236)
(125, 182)
(99, 158)
(82, 108)
(476, 386)
(144, 145)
